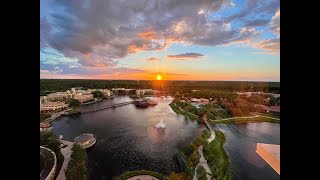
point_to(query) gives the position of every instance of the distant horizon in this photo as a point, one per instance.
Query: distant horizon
(161, 80)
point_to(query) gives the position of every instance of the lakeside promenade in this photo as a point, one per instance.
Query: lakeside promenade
(66, 152)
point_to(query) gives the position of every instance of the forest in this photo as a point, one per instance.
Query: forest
(54, 85)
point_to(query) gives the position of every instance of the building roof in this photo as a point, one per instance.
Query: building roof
(83, 138)
(271, 154)
(261, 106)
(275, 108)
(45, 125)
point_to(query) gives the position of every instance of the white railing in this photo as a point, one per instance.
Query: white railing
(53, 169)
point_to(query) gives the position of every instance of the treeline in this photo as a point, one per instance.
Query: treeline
(214, 94)
(49, 140)
(238, 107)
(52, 85)
(77, 166)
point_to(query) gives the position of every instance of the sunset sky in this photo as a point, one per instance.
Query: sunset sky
(179, 39)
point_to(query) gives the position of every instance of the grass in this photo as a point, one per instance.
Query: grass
(129, 174)
(178, 111)
(44, 116)
(244, 120)
(216, 156)
(268, 115)
(201, 173)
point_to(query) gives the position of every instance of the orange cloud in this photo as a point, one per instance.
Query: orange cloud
(148, 35)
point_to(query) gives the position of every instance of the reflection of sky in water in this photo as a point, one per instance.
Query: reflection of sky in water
(127, 139)
(240, 144)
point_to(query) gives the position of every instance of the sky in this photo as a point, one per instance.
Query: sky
(224, 40)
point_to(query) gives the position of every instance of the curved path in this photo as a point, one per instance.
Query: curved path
(66, 152)
(203, 161)
(143, 177)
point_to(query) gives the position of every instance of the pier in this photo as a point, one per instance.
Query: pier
(94, 109)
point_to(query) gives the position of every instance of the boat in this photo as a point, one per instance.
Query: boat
(99, 99)
(142, 103)
(152, 102)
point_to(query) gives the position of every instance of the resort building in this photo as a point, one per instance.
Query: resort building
(271, 154)
(45, 127)
(141, 92)
(105, 92)
(83, 97)
(50, 107)
(59, 96)
(262, 108)
(275, 109)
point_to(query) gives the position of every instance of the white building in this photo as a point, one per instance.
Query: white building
(105, 92)
(49, 107)
(59, 96)
(141, 92)
(83, 97)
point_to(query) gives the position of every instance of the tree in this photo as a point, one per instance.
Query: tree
(73, 102)
(49, 140)
(201, 173)
(97, 94)
(178, 176)
(44, 116)
(77, 166)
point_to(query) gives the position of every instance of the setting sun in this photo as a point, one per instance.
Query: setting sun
(159, 77)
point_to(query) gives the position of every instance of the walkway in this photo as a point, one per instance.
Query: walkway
(143, 177)
(203, 161)
(53, 117)
(93, 109)
(66, 152)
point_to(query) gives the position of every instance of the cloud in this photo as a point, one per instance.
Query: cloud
(185, 56)
(275, 23)
(152, 59)
(100, 33)
(271, 45)
(117, 29)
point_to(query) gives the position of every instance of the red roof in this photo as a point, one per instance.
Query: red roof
(45, 125)
(275, 108)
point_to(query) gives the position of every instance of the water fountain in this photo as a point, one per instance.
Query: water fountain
(161, 124)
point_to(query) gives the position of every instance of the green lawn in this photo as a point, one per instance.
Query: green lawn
(244, 120)
(127, 175)
(178, 111)
(216, 156)
(44, 116)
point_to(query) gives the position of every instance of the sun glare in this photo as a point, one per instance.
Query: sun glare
(159, 77)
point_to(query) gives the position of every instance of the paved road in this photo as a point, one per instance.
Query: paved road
(66, 152)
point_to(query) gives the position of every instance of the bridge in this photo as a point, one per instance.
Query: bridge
(94, 109)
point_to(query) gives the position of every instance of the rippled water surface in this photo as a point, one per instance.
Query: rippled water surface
(240, 144)
(127, 138)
